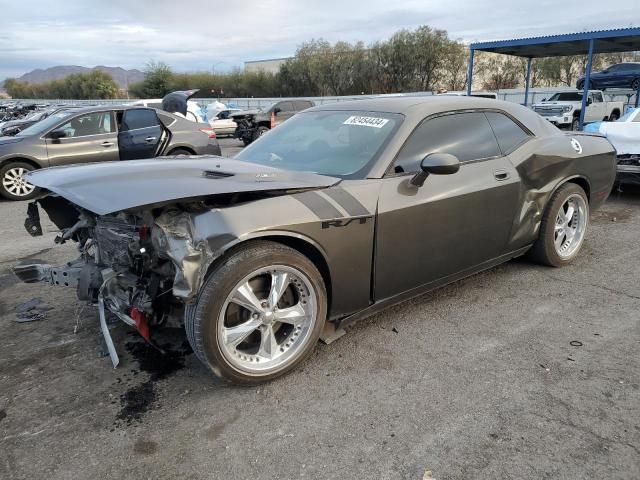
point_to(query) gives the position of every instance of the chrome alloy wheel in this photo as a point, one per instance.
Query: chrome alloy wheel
(13, 182)
(267, 319)
(570, 226)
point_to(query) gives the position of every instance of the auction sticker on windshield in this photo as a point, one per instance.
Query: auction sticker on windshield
(374, 122)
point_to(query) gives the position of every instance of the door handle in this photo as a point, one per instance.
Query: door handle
(150, 139)
(107, 144)
(501, 175)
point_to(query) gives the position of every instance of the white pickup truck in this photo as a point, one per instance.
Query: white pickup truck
(563, 108)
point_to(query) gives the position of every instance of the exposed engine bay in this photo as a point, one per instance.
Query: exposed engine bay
(127, 263)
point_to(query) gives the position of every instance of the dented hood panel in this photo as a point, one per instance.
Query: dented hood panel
(109, 187)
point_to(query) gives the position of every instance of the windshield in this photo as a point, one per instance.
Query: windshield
(566, 97)
(44, 125)
(336, 143)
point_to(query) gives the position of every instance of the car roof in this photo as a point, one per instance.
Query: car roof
(421, 105)
(101, 108)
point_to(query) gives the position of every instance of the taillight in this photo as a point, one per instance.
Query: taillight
(209, 131)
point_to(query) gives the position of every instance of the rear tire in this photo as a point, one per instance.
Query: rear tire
(180, 151)
(575, 124)
(243, 336)
(560, 238)
(12, 185)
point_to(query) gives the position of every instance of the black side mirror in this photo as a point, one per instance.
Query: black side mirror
(436, 164)
(277, 110)
(544, 99)
(589, 101)
(58, 134)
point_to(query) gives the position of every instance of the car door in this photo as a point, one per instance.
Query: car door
(140, 133)
(596, 111)
(87, 137)
(453, 222)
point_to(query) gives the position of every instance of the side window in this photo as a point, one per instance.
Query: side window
(139, 118)
(88, 124)
(286, 106)
(509, 134)
(597, 97)
(302, 105)
(468, 136)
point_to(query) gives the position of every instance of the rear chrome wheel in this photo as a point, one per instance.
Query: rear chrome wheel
(14, 185)
(570, 226)
(563, 227)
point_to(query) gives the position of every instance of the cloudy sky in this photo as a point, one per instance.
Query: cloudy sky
(200, 35)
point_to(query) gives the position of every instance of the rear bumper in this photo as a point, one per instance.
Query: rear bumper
(212, 148)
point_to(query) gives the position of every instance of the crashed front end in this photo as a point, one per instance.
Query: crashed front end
(140, 266)
(148, 231)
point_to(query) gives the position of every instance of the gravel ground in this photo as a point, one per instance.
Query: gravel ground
(519, 372)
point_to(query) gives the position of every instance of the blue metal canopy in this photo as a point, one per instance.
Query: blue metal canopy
(582, 43)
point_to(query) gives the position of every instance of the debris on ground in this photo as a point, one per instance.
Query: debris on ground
(575, 343)
(31, 311)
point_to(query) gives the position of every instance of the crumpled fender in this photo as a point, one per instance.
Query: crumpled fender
(176, 239)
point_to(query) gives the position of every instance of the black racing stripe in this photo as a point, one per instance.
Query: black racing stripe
(347, 201)
(318, 205)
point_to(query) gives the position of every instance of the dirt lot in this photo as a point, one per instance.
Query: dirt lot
(520, 372)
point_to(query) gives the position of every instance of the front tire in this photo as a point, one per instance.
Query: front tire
(563, 227)
(12, 183)
(259, 314)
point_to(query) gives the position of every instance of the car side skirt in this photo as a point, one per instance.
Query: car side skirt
(428, 287)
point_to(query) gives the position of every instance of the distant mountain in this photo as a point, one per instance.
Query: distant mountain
(121, 76)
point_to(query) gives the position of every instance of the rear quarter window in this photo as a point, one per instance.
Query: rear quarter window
(303, 104)
(509, 134)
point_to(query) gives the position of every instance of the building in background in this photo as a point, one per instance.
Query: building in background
(271, 65)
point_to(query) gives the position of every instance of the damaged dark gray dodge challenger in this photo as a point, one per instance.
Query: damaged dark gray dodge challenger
(337, 213)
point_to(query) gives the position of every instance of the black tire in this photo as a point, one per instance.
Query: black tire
(575, 124)
(202, 316)
(9, 166)
(261, 130)
(246, 141)
(543, 250)
(180, 151)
